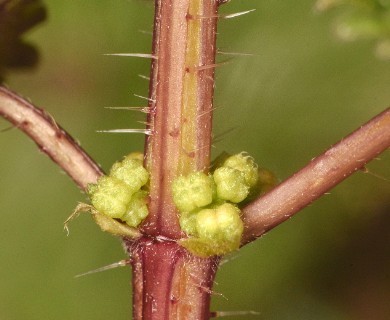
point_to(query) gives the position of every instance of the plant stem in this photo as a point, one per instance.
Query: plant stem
(169, 282)
(181, 92)
(260, 216)
(319, 176)
(50, 138)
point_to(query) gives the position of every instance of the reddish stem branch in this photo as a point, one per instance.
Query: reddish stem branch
(319, 176)
(49, 137)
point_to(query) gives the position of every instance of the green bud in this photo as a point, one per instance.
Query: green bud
(119, 196)
(91, 188)
(137, 209)
(245, 164)
(193, 191)
(219, 231)
(208, 216)
(187, 222)
(231, 184)
(110, 196)
(221, 224)
(136, 155)
(131, 171)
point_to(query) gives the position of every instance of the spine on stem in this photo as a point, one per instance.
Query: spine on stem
(181, 92)
(168, 281)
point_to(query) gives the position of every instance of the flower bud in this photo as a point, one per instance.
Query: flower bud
(187, 222)
(137, 209)
(110, 196)
(231, 185)
(193, 191)
(131, 171)
(220, 224)
(245, 164)
(219, 231)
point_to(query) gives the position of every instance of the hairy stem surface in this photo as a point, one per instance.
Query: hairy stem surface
(169, 282)
(318, 177)
(50, 138)
(181, 93)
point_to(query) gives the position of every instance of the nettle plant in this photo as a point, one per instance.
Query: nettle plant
(177, 211)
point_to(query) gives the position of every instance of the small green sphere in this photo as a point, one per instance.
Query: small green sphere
(131, 172)
(187, 222)
(219, 231)
(222, 223)
(193, 191)
(231, 184)
(245, 164)
(137, 209)
(110, 196)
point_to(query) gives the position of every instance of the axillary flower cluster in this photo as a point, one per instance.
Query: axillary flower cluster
(120, 195)
(209, 204)
(119, 200)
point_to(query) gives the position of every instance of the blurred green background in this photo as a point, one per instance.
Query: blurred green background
(301, 92)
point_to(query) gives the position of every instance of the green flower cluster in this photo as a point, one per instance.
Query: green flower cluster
(208, 204)
(120, 195)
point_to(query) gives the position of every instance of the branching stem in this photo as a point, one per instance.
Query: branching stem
(168, 281)
(50, 138)
(260, 216)
(318, 177)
